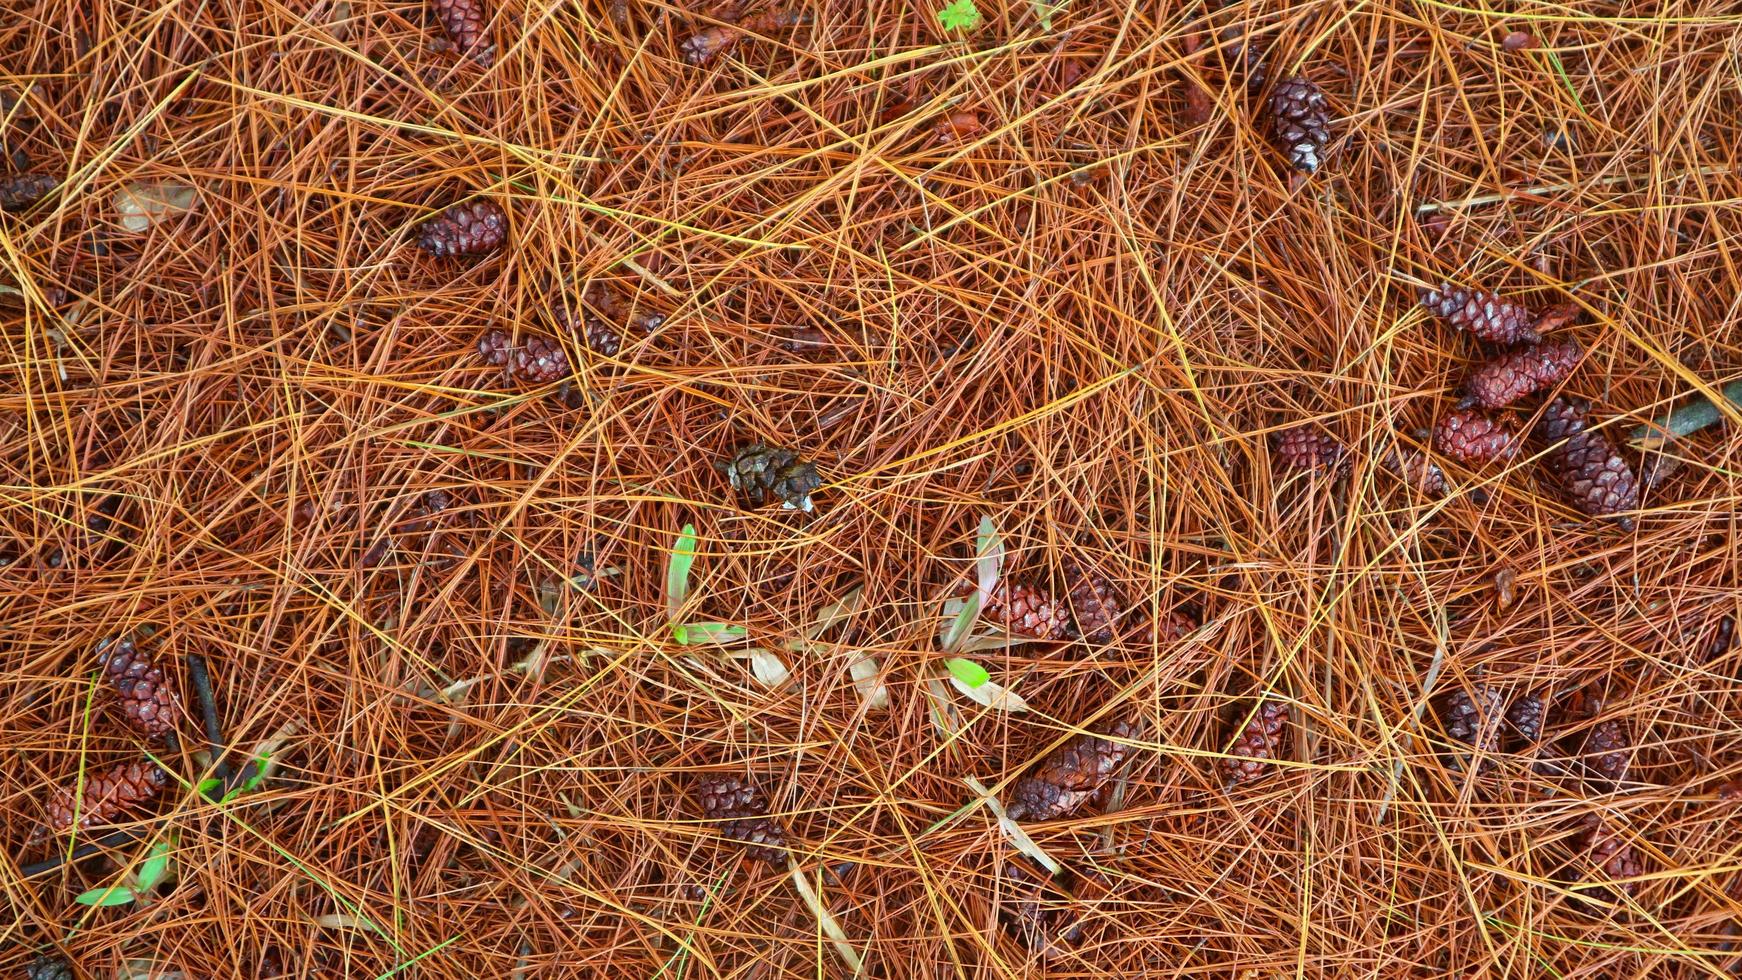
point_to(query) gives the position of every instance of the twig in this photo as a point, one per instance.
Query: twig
(202, 678)
(107, 841)
(1686, 420)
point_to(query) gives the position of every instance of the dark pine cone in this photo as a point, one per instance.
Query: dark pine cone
(1261, 739)
(1605, 751)
(1471, 437)
(742, 810)
(472, 227)
(1489, 317)
(1300, 122)
(1525, 717)
(48, 968)
(20, 191)
(107, 794)
(1525, 371)
(763, 473)
(1589, 471)
(1067, 778)
(1472, 718)
(148, 701)
(1097, 605)
(464, 22)
(1415, 469)
(1306, 448)
(1243, 53)
(1612, 855)
(1028, 610)
(539, 361)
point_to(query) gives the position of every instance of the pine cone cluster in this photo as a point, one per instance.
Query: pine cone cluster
(1070, 775)
(19, 191)
(464, 21)
(1262, 737)
(146, 699)
(742, 812)
(1300, 122)
(1589, 471)
(1521, 372)
(107, 795)
(473, 227)
(763, 473)
(536, 361)
(1472, 437)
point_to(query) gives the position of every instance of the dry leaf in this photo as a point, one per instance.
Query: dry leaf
(991, 694)
(144, 203)
(827, 923)
(1011, 829)
(868, 678)
(768, 667)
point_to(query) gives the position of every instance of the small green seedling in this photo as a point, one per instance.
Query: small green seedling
(677, 589)
(256, 778)
(960, 15)
(152, 871)
(967, 671)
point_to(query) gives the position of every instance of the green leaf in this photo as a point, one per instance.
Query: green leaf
(677, 571)
(967, 671)
(256, 778)
(209, 786)
(103, 897)
(960, 15)
(708, 634)
(153, 868)
(958, 630)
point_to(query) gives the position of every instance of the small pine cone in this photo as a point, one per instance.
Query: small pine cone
(539, 361)
(1588, 469)
(1242, 53)
(1525, 717)
(1415, 469)
(464, 22)
(1096, 604)
(742, 810)
(1471, 437)
(1173, 627)
(1262, 739)
(1518, 373)
(473, 227)
(1612, 855)
(1067, 778)
(1306, 448)
(1028, 610)
(1605, 751)
(48, 968)
(107, 794)
(763, 473)
(594, 332)
(1489, 317)
(1300, 122)
(148, 701)
(1473, 719)
(20, 191)
(710, 42)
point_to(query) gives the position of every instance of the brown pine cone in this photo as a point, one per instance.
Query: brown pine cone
(763, 473)
(1605, 751)
(464, 22)
(1067, 778)
(107, 794)
(1518, 373)
(742, 810)
(1262, 738)
(1613, 857)
(579, 321)
(1471, 437)
(538, 361)
(1096, 604)
(145, 697)
(1300, 122)
(19, 191)
(710, 42)
(1415, 468)
(1486, 315)
(1473, 718)
(1525, 717)
(1307, 448)
(1027, 610)
(1173, 627)
(1589, 471)
(474, 227)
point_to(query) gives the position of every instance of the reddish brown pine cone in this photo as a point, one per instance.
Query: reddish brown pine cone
(1605, 751)
(710, 42)
(1489, 317)
(1471, 437)
(1173, 627)
(1613, 857)
(20, 191)
(1096, 604)
(1300, 122)
(1518, 373)
(538, 361)
(1066, 779)
(473, 227)
(464, 21)
(1307, 448)
(742, 812)
(1262, 738)
(106, 795)
(1026, 610)
(145, 697)
(1415, 469)
(1587, 468)
(1524, 719)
